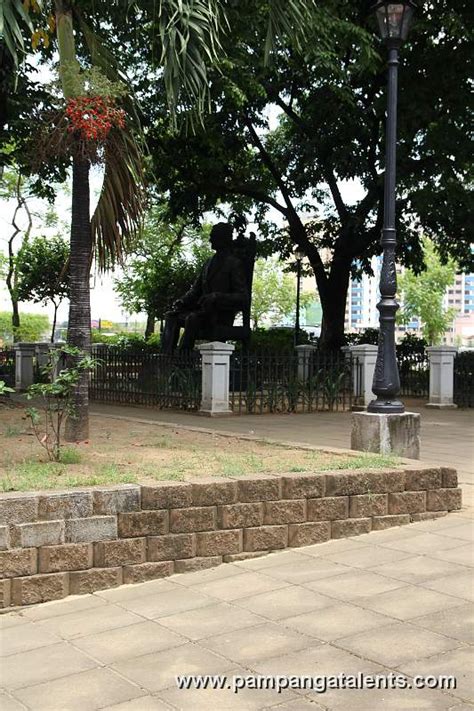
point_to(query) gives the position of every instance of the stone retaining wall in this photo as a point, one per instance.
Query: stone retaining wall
(53, 544)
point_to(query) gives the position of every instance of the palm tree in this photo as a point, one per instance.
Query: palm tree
(190, 32)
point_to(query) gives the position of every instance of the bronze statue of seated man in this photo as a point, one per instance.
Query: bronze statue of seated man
(218, 294)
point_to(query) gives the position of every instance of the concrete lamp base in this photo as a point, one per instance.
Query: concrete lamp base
(397, 434)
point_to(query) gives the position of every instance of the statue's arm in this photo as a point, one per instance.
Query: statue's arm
(192, 296)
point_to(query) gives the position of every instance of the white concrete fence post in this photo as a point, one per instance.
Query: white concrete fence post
(363, 357)
(441, 360)
(304, 353)
(215, 359)
(24, 369)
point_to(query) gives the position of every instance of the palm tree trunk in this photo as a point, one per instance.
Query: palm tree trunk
(77, 424)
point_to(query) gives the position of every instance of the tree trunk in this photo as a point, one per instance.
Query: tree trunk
(333, 302)
(55, 317)
(150, 325)
(79, 327)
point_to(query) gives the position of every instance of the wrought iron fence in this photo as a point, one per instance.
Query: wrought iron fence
(7, 367)
(414, 369)
(269, 382)
(464, 379)
(146, 378)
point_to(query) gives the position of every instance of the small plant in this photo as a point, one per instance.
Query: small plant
(69, 455)
(56, 397)
(4, 389)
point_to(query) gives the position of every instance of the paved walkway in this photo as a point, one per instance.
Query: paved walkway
(389, 601)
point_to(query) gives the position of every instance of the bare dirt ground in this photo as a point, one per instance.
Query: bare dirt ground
(120, 451)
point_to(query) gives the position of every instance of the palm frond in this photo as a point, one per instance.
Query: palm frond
(117, 219)
(12, 17)
(190, 33)
(291, 18)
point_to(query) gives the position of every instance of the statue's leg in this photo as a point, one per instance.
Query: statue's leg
(169, 339)
(194, 321)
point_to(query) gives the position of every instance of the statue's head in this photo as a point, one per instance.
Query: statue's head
(221, 236)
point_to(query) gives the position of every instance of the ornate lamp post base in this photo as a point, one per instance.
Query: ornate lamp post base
(386, 407)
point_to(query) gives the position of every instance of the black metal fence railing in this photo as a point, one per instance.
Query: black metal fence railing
(464, 379)
(270, 382)
(414, 372)
(7, 367)
(146, 378)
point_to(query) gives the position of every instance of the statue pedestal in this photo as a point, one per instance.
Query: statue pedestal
(397, 434)
(215, 379)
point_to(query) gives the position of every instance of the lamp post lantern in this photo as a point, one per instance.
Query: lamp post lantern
(394, 21)
(299, 254)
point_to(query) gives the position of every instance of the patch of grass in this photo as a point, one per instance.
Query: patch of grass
(34, 475)
(70, 455)
(12, 431)
(365, 461)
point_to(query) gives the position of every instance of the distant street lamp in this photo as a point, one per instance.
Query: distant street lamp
(394, 19)
(300, 255)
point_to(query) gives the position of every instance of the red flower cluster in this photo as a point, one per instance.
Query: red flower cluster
(93, 117)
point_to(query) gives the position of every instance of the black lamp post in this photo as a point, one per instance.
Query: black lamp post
(299, 254)
(394, 21)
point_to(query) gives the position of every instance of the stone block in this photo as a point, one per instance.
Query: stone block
(380, 523)
(142, 572)
(214, 492)
(5, 593)
(193, 564)
(427, 515)
(306, 534)
(4, 538)
(18, 508)
(371, 481)
(421, 479)
(171, 547)
(39, 588)
(18, 562)
(109, 501)
(407, 502)
(449, 478)
(236, 557)
(143, 523)
(65, 505)
(167, 495)
(444, 500)
(196, 518)
(214, 543)
(364, 505)
(327, 508)
(350, 527)
(59, 559)
(108, 554)
(88, 530)
(288, 511)
(397, 434)
(87, 581)
(303, 486)
(240, 515)
(259, 488)
(42, 533)
(265, 538)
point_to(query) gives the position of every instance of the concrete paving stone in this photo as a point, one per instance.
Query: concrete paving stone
(406, 603)
(417, 569)
(465, 532)
(367, 557)
(56, 608)
(167, 603)
(209, 621)
(298, 705)
(7, 703)
(333, 546)
(276, 558)
(286, 602)
(392, 700)
(354, 584)
(464, 555)
(453, 519)
(462, 707)
(459, 585)
(22, 638)
(239, 586)
(133, 591)
(207, 575)
(143, 703)
(127, 642)
(226, 699)
(456, 622)
(12, 619)
(422, 543)
(267, 640)
(457, 662)
(305, 571)
(87, 622)
(43, 664)
(89, 690)
(335, 621)
(397, 644)
(158, 671)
